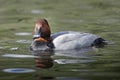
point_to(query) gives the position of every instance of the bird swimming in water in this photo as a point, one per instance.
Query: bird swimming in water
(65, 40)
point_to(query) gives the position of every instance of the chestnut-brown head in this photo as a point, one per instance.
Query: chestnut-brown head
(42, 29)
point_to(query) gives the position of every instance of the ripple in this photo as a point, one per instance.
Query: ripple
(15, 48)
(36, 11)
(18, 56)
(69, 61)
(18, 70)
(2, 47)
(81, 70)
(23, 41)
(82, 53)
(69, 78)
(23, 33)
(71, 21)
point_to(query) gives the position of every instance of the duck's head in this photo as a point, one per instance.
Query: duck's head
(42, 30)
(42, 40)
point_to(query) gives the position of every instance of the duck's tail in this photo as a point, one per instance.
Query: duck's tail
(100, 43)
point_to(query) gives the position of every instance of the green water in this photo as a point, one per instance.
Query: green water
(100, 17)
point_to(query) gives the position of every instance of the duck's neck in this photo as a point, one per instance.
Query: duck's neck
(48, 39)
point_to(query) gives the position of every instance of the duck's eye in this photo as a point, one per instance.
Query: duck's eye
(45, 21)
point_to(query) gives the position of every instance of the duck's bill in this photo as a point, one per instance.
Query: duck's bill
(36, 36)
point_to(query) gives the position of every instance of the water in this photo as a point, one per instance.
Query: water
(100, 17)
(48, 65)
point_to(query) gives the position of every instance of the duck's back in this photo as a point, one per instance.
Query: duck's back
(72, 40)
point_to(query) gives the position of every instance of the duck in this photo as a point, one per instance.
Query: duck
(64, 40)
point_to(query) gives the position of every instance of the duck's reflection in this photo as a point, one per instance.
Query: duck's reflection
(44, 62)
(43, 59)
(78, 53)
